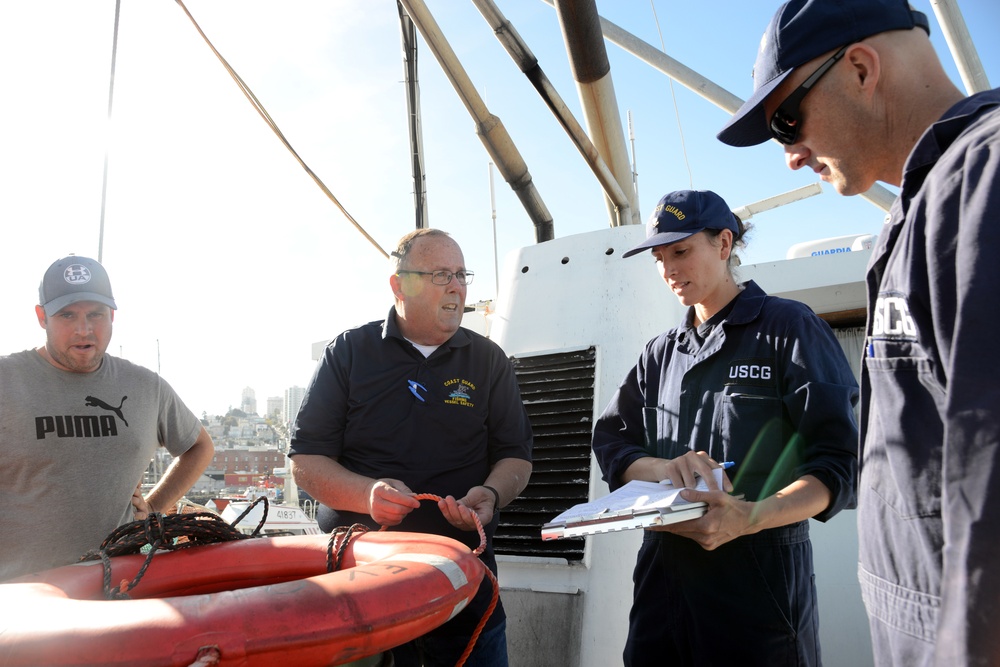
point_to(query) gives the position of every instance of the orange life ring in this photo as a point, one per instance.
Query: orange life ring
(258, 602)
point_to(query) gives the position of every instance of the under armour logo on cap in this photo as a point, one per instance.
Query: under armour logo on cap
(76, 274)
(73, 279)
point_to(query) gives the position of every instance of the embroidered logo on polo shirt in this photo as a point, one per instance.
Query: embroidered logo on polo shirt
(891, 317)
(459, 392)
(756, 372)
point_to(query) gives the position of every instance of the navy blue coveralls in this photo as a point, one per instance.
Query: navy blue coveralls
(440, 435)
(764, 384)
(929, 495)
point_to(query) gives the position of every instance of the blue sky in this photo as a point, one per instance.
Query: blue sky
(228, 262)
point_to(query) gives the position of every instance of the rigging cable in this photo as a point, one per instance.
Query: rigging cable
(677, 113)
(277, 131)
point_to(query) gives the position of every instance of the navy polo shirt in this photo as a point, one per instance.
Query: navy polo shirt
(438, 424)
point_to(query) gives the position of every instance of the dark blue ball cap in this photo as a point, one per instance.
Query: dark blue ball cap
(800, 31)
(684, 213)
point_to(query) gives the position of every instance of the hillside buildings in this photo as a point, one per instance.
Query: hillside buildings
(248, 447)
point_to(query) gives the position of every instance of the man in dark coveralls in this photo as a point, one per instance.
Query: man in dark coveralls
(855, 92)
(416, 404)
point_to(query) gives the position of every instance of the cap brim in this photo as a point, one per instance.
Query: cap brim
(662, 238)
(57, 304)
(749, 125)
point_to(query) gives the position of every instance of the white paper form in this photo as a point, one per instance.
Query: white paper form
(633, 497)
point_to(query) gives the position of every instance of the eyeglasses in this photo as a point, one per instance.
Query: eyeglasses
(787, 119)
(444, 277)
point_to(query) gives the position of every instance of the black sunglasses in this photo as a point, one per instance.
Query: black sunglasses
(786, 120)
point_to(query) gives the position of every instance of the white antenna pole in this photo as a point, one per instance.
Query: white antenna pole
(107, 136)
(493, 208)
(635, 172)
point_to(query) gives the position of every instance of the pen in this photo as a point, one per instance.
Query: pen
(414, 385)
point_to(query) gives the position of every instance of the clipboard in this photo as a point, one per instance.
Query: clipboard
(634, 505)
(624, 520)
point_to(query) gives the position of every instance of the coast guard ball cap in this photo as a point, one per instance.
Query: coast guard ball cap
(684, 213)
(800, 31)
(73, 279)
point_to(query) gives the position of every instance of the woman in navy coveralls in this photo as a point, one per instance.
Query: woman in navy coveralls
(748, 378)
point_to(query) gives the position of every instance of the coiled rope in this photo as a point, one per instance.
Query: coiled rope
(165, 532)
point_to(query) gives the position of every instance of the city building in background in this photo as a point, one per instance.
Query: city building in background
(274, 405)
(250, 449)
(249, 402)
(293, 399)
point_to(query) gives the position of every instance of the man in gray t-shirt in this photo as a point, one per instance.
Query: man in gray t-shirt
(78, 429)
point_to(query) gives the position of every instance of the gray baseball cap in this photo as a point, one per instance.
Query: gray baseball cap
(73, 279)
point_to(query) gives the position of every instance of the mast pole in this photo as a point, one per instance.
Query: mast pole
(409, 37)
(878, 194)
(490, 129)
(963, 50)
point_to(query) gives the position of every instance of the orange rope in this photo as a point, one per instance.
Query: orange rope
(479, 525)
(496, 584)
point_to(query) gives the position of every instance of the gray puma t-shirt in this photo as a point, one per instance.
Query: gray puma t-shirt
(73, 446)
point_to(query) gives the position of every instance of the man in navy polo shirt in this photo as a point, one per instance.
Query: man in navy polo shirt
(855, 92)
(416, 404)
